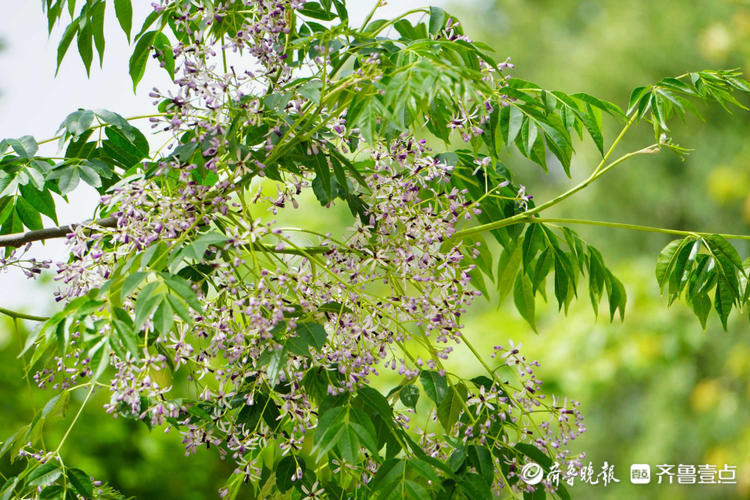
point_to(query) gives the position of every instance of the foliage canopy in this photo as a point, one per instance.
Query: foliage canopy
(190, 301)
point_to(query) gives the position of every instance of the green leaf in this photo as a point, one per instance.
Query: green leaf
(725, 252)
(474, 486)
(124, 12)
(724, 299)
(528, 135)
(45, 474)
(532, 243)
(25, 146)
(197, 249)
(596, 278)
(9, 443)
(480, 458)
(348, 444)
(99, 355)
(50, 405)
(323, 179)
(85, 50)
(667, 259)
(389, 473)
(137, 65)
(163, 318)
(112, 118)
(434, 384)
(179, 307)
(394, 481)
(263, 407)
(334, 307)
(592, 120)
(507, 269)
(125, 334)
(186, 293)
(425, 469)
(8, 184)
(131, 283)
(165, 53)
(146, 303)
(89, 176)
(681, 269)
(81, 482)
(369, 114)
(65, 41)
(97, 26)
(701, 308)
(28, 214)
(703, 278)
(523, 296)
(406, 30)
(276, 360)
(150, 19)
(286, 469)
(126, 146)
(375, 401)
(451, 407)
(330, 425)
(635, 98)
(515, 121)
(12, 224)
(607, 107)
(365, 430)
(616, 294)
(8, 488)
(311, 90)
(341, 11)
(563, 279)
(409, 396)
(437, 20)
(100, 168)
(68, 179)
(315, 11)
(308, 335)
(6, 208)
(535, 454)
(41, 200)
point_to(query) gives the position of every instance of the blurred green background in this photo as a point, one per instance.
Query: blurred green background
(655, 389)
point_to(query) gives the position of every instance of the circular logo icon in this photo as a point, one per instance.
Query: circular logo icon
(532, 473)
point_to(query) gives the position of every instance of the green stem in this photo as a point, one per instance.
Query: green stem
(602, 168)
(18, 315)
(614, 145)
(638, 227)
(75, 419)
(132, 118)
(370, 15)
(620, 225)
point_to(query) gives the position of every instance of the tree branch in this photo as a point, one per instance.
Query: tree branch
(20, 239)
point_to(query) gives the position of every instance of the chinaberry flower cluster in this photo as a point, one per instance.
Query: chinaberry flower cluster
(388, 294)
(17, 258)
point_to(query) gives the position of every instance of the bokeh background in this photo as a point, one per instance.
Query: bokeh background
(655, 389)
